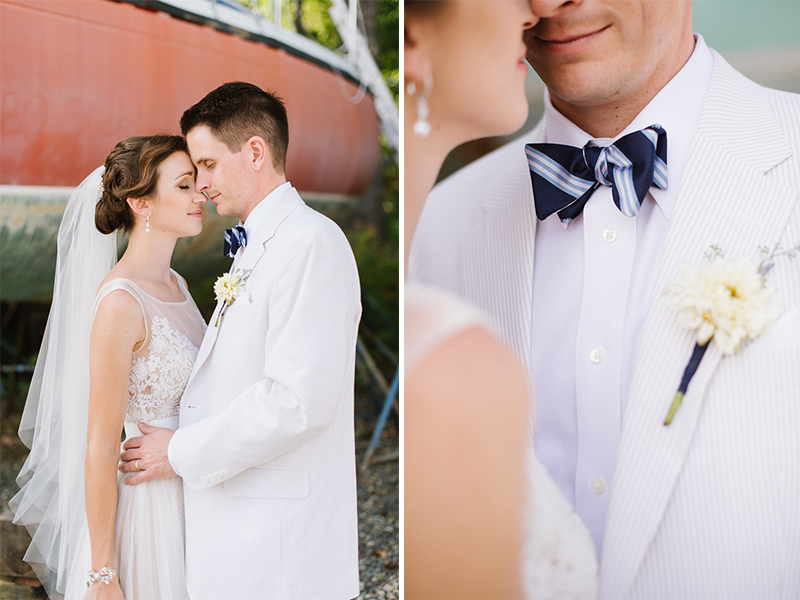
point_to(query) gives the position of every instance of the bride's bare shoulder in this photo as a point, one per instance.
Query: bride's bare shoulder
(119, 319)
(465, 426)
(472, 373)
(117, 306)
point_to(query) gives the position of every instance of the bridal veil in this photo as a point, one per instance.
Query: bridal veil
(51, 502)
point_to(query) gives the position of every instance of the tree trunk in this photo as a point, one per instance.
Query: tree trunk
(298, 18)
(369, 10)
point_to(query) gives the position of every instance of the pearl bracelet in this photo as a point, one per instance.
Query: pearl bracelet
(106, 575)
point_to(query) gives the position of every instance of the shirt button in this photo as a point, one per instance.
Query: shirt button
(610, 235)
(598, 485)
(597, 355)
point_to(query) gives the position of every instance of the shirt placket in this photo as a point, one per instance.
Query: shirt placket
(609, 245)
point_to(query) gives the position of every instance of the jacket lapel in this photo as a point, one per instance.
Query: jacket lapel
(498, 254)
(256, 247)
(726, 200)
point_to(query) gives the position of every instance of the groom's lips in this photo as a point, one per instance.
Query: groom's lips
(569, 43)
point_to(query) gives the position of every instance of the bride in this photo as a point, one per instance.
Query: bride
(119, 345)
(473, 528)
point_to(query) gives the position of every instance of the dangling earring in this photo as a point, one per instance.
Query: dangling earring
(147, 224)
(421, 126)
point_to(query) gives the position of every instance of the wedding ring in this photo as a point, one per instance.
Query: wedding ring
(136, 464)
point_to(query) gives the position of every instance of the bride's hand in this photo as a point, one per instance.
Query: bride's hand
(102, 591)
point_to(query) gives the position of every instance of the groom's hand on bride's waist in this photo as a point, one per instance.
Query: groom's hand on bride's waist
(146, 455)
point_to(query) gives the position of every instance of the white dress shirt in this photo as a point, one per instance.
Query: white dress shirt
(592, 286)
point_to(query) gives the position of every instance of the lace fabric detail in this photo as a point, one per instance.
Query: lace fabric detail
(157, 380)
(558, 554)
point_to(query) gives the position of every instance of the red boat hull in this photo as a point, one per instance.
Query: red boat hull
(76, 76)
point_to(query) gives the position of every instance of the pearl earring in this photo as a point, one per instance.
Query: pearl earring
(147, 224)
(421, 126)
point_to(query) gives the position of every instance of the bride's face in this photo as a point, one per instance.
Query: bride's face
(477, 59)
(177, 207)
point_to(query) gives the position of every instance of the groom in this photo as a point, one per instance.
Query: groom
(266, 443)
(708, 507)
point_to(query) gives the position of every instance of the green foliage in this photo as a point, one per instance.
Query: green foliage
(13, 392)
(318, 24)
(390, 172)
(378, 265)
(203, 295)
(389, 43)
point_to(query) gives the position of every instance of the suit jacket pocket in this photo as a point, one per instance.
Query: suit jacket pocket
(784, 333)
(241, 310)
(269, 482)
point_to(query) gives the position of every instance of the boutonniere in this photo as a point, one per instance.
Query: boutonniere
(228, 288)
(729, 302)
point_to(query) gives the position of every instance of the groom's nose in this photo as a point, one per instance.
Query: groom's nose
(201, 184)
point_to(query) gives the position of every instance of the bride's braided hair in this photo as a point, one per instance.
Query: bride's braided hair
(131, 171)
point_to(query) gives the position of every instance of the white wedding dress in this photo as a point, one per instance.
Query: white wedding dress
(558, 555)
(149, 531)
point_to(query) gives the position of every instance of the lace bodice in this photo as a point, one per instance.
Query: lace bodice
(160, 368)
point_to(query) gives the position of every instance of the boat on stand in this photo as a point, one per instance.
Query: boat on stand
(76, 76)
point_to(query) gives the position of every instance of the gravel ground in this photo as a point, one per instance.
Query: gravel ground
(378, 509)
(378, 504)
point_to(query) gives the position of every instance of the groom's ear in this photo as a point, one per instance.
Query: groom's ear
(258, 152)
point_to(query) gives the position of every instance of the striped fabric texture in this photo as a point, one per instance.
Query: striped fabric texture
(564, 177)
(710, 506)
(235, 238)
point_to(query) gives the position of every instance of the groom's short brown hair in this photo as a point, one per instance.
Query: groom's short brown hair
(236, 111)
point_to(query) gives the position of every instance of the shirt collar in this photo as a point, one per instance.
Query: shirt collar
(258, 213)
(676, 108)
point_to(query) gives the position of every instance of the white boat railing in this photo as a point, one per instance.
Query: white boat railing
(359, 64)
(368, 71)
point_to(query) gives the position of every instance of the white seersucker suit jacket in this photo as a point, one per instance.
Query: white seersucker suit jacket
(265, 445)
(710, 506)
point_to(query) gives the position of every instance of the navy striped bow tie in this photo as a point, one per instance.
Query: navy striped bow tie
(564, 177)
(234, 238)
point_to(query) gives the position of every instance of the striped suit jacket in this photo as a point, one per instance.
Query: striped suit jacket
(265, 445)
(710, 506)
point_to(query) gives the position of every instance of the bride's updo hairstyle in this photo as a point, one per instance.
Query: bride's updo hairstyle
(131, 171)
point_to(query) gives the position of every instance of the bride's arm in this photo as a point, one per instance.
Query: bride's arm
(465, 435)
(118, 328)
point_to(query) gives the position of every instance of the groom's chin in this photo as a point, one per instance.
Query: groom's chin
(224, 210)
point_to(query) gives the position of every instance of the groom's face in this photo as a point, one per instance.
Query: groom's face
(221, 174)
(607, 53)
